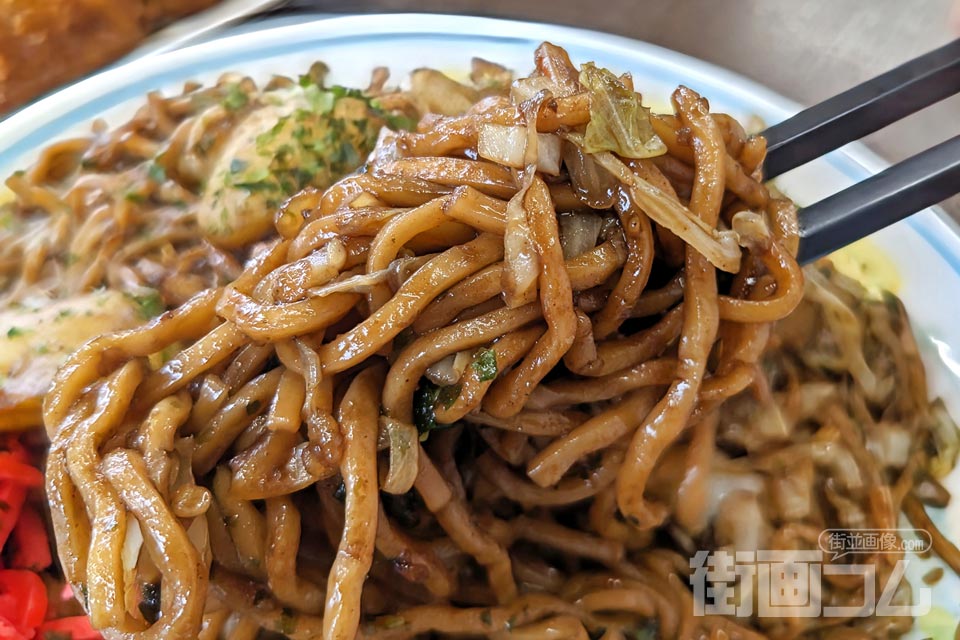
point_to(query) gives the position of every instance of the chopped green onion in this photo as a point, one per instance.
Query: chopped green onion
(485, 364)
(236, 98)
(425, 398)
(156, 173)
(150, 305)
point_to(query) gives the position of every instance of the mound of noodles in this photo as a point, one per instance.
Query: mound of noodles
(502, 382)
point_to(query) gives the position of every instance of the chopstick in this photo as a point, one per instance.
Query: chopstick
(905, 188)
(863, 109)
(910, 186)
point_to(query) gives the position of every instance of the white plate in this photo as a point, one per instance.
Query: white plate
(924, 250)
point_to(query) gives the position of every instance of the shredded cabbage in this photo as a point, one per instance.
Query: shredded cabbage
(618, 121)
(718, 246)
(946, 441)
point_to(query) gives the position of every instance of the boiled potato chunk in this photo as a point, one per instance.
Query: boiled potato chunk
(36, 340)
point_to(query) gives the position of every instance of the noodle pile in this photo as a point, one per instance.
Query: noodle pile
(503, 382)
(115, 227)
(100, 211)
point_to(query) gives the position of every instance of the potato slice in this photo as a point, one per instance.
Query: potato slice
(36, 340)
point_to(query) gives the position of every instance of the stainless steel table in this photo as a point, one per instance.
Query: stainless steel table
(806, 50)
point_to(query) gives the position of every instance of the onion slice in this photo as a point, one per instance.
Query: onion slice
(404, 455)
(505, 145)
(579, 231)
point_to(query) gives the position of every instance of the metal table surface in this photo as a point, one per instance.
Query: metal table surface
(807, 51)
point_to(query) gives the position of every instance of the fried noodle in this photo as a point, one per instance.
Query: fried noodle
(473, 390)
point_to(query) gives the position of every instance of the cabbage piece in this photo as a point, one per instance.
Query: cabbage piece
(718, 246)
(618, 121)
(945, 441)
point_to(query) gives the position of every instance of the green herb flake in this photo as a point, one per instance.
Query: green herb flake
(237, 165)
(340, 493)
(320, 101)
(448, 395)
(340, 91)
(266, 138)
(42, 349)
(287, 622)
(400, 122)
(150, 305)
(133, 196)
(16, 332)
(283, 153)
(485, 364)
(425, 398)
(486, 617)
(71, 259)
(235, 99)
(257, 187)
(156, 173)
(257, 179)
(318, 71)
(348, 154)
(258, 174)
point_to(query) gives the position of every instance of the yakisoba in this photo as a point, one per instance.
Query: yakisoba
(483, 388)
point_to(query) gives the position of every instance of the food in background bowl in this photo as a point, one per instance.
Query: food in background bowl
(46, 44)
